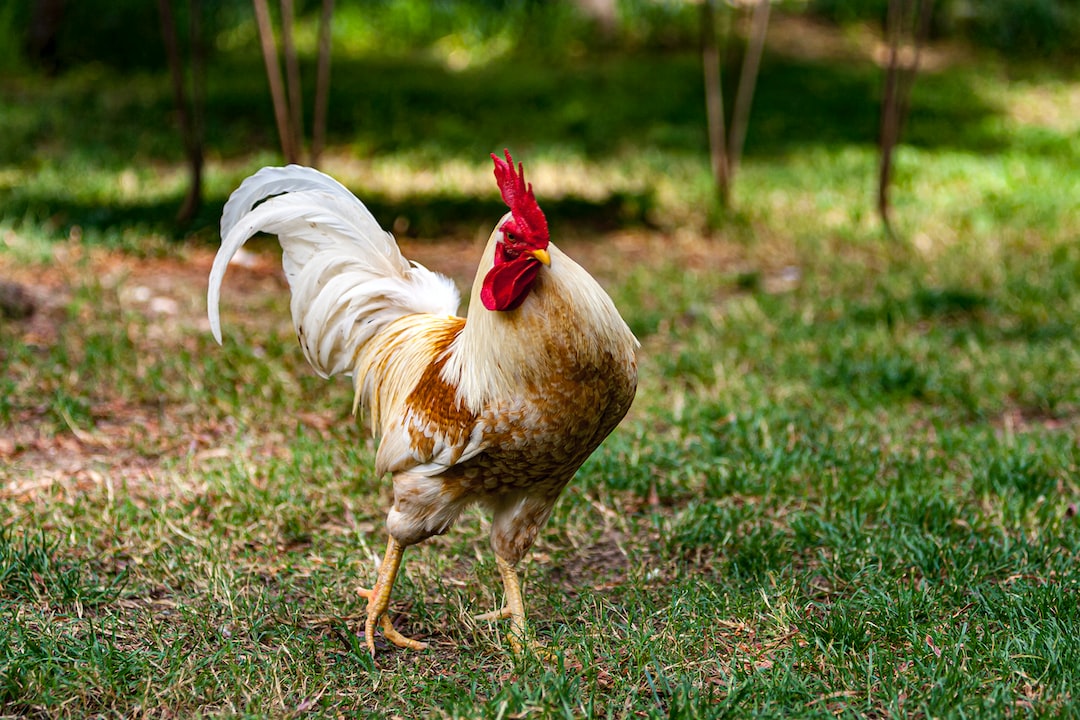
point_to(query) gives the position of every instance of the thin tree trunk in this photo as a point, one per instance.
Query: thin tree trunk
(889, 117)
(714, 99)
(292, 76)
(907, 79)
(896, 95)
(322, 84)
(744, 93)
(190, 120)
(198, 106)
(273, 76)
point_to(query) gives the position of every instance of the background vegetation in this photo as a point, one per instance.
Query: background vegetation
(847, 487)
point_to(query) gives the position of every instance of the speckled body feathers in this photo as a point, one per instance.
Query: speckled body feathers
(500, 409)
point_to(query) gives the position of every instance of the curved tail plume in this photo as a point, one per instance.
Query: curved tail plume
(347, 276)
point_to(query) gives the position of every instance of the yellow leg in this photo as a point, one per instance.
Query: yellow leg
(379, 600)
(514, 607)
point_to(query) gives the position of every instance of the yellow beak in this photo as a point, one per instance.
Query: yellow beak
(542, 256)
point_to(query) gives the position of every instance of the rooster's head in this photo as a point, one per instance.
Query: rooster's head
(522, 250)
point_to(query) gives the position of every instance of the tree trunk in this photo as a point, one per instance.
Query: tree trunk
(189, 116)
(714, 99)
(896, 94)
(921, 35)
(888, 132)
(273, 77)
(198, 112)
(292, 76)
(744, 93)
(322, 83)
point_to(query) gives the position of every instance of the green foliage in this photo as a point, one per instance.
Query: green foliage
(126, 34)
(10, 23)
(1027, 28)
(457, 102)
(1016, 28)
(122, 34)
(849, 11)
(847, 487)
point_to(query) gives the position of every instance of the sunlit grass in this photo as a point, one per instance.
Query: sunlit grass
(847, 486)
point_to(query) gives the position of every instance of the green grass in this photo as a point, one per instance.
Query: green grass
(847, 487)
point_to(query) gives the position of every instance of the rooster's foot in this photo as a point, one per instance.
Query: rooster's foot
(378, 599)
(388, 630)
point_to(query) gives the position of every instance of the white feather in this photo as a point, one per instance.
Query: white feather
(348, 278)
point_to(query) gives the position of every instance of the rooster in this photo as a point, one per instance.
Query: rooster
(500, 408)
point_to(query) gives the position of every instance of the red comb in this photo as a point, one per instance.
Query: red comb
(519, 197)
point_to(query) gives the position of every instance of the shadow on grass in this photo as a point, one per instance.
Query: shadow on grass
(623, 103)
(416, 216)
(435, 215)
(615, 104)
(964, 312)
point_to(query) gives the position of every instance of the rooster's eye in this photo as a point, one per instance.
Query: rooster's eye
(511, 237)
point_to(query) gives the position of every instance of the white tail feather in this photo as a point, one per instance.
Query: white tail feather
(347, 276)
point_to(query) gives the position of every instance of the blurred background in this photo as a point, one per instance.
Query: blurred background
(128, 121)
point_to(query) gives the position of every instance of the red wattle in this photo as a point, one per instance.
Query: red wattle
(506, 285)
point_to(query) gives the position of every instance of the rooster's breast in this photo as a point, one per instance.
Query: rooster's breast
(536, 441)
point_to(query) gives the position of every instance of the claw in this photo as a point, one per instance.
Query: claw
(378, 599)
(500, 614)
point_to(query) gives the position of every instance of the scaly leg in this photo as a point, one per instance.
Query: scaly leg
(514, 607)
(379, 600)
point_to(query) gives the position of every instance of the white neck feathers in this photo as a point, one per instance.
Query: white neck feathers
(566, 319)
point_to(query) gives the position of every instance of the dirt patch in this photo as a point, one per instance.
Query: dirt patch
(157, 307)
